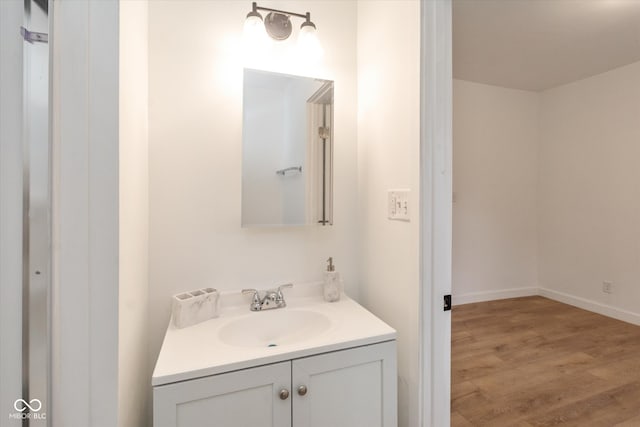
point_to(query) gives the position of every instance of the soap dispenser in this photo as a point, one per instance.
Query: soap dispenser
(332, 283)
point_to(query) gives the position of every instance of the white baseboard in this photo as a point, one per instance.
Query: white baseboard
(493, 295)
(596, 307)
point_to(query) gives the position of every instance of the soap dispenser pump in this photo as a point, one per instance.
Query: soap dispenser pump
(332, 283)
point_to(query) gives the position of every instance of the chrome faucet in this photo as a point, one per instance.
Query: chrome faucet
(273, 298)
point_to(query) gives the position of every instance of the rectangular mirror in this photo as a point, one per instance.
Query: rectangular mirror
(287, 150)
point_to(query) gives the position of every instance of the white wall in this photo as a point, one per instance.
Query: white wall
(589, 203)
(263, 149)
(575, 224)
(389, 158)
(195, 122)
(274, 137)
(133, 362)
(295, 150)
(11, 17)
(495, 161)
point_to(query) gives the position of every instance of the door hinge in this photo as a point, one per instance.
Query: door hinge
(34, 37)
(447, 302)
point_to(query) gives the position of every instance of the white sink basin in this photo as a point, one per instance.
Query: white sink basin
(240, 339)
(274, 328)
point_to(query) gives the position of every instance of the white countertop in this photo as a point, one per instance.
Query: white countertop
(196, 351)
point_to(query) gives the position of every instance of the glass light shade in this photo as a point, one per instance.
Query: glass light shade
(254, 31)
(309, 44)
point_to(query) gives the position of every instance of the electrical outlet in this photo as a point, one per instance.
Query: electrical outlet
(607, 287)
(398, 205)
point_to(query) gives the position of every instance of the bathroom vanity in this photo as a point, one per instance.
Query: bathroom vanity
(311, 363)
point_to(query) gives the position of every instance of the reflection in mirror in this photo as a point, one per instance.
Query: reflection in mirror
(287, 145)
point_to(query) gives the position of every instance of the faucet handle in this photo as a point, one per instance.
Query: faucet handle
(279, 295)
(286, 285)
(255, 297)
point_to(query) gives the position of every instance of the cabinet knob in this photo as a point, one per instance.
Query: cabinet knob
(284, 394)
(302, 390)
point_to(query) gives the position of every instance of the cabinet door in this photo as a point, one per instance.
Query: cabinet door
(246, 398)
(349, 388)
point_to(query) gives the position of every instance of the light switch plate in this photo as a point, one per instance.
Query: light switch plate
(398, 205)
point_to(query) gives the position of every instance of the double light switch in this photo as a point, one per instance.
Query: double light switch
(398, 205)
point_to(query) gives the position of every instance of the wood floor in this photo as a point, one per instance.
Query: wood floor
(536, 362)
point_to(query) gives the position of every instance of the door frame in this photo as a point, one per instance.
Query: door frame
(436, 210)
(85, 207)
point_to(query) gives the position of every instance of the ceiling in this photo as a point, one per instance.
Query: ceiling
(539, 44)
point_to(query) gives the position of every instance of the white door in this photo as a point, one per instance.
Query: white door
(246, 398)
(349, 388)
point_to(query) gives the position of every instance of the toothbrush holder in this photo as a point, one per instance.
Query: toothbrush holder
(194, 307)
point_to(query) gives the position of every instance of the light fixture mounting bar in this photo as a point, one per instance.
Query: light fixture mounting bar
(284, 12)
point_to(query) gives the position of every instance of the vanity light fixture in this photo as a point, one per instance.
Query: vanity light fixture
(277, 24)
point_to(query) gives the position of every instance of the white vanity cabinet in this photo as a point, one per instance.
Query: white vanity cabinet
(348, 388)
(355, 387)
(245, 398)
